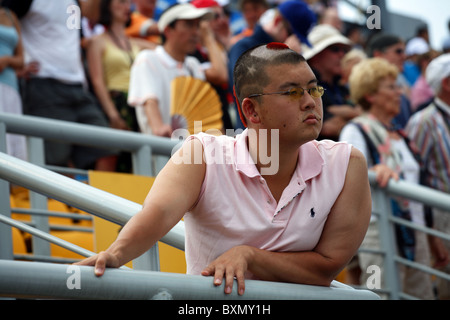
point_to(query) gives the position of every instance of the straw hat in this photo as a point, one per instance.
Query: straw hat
(321, 37)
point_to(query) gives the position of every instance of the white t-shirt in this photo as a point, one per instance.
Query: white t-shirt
(50, 38)
(151, 76)
(409, 166)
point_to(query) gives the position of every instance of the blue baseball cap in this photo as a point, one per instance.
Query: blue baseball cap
(300, 17)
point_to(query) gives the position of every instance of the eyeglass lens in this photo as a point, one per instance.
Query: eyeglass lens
(315, 92)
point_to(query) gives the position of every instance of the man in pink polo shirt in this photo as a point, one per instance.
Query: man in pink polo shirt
(271, 204)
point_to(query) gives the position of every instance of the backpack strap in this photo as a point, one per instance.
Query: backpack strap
(374, 154)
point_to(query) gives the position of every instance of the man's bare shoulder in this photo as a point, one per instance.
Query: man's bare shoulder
(357, 169)
(357, 163)
(357, 155)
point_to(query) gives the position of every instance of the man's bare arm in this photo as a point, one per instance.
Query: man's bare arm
(174, 192)
(343, 233)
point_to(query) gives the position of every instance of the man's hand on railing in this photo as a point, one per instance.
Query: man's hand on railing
(100, 262)
(231, 264)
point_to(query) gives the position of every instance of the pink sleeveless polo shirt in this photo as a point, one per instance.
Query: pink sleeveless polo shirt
(236, 207)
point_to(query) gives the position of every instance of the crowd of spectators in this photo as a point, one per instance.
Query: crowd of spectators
(115, 67)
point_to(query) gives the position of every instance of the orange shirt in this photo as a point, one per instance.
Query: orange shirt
(134, 30)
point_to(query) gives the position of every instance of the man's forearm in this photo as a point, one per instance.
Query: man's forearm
(136, 237)
(306, 267)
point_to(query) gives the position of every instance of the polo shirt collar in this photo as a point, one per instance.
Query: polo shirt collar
(310, 159)
(243, 161)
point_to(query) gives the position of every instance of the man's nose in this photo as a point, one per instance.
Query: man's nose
(308, 102)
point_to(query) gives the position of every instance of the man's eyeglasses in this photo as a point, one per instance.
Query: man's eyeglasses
(296, 93)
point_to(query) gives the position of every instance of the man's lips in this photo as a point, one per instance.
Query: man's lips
(312, 118)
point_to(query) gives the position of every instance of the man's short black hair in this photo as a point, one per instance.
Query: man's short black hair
(249, 74)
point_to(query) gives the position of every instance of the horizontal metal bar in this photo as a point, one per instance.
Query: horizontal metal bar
(67, 170)
(41, 258)
(62, 227)
(414, 192)
(418, 227)
(43, 212)
(46, 236)
(423, 268)
(83, 134)
(77, 194)
(46, 280)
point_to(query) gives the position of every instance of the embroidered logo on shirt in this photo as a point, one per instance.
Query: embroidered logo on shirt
(312, 213)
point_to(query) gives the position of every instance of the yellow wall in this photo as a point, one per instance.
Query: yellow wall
(133, 188)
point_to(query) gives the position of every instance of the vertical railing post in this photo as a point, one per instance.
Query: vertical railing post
(6, 243)
(387, 242)
(142, 161)
(142, 165)
(38, 201)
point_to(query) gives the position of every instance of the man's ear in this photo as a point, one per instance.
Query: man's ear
(249, 108)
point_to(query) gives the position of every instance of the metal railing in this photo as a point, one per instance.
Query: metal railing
(50, 280)
(119, 210)
(141, 146)
(387, 220)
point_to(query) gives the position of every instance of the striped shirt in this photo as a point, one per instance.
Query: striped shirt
(430, 130)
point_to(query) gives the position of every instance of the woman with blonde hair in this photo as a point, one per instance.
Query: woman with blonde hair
(388, 153)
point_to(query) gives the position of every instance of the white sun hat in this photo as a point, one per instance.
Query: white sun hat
(321, 37)
(183, 11)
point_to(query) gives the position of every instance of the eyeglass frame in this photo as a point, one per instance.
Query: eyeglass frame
(288, 92)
